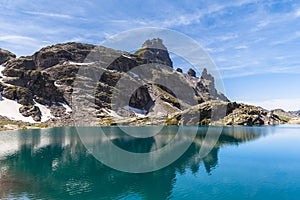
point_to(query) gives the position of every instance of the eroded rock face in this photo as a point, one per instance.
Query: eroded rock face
(5, 56)
(22, 63)
(154, 51)
(57, 54)
(141, 99)
(21, 94)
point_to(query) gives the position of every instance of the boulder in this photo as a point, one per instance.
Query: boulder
(32, 111)
(191, 72)
(10, 93)
(179, 70)
(22, 95)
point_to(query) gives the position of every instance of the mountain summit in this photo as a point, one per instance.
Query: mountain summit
(154, 51)
(39, 88)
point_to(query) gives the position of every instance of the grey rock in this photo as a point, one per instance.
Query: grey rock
(32, 111)
(154, 51)
(6, 56)
(57, 54)
(179, 70)
(191, 72)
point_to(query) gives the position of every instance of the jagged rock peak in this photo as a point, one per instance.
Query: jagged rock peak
(155, 43)
(5, 56)
(154, 51)
(179, 70)
(191, 72)
(206, 76)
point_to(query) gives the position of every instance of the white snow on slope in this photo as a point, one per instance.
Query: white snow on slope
(126, 56)
(134, 75)
(46, 114)
(75, 63)
(136, 110)
(1, 69)
(68, 108)
(10, 109)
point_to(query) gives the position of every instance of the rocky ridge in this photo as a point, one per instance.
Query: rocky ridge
(47, 78)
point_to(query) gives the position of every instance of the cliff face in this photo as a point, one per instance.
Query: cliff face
(154, 51)
(45, 81)
(5, 56)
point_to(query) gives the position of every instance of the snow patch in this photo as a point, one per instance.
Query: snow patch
(46, 113)
(126, 56)
(57, 85)
(1, 75)
(67, 107)
(136, 110)
(10, 109)
(111, 113)
(75, 63)
(134, 75)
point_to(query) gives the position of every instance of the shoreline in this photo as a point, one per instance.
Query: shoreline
(19, 125)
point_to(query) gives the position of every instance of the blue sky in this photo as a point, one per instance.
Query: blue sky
(255, 44)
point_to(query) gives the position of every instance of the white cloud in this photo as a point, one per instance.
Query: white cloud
(287, 39)
(286, 104)
(234, 67)
(16, 44)
(47, 14)
(241, 47)
(297, 13)
(261, 25)
(15, 38)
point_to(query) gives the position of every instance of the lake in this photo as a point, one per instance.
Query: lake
(244, 163)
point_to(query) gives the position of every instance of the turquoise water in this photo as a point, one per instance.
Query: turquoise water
(245, 163)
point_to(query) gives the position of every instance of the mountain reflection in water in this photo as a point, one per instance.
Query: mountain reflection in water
(54, 164)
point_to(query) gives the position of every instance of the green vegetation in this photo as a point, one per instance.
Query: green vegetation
(13, 88)
(282, 118)
(6, 124)
(140, 51)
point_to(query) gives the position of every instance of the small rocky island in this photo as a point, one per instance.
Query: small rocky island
(36, 91)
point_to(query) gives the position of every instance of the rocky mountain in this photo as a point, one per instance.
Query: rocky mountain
(284, 115)
(41, 87)
(5, 56)
(296, 112)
